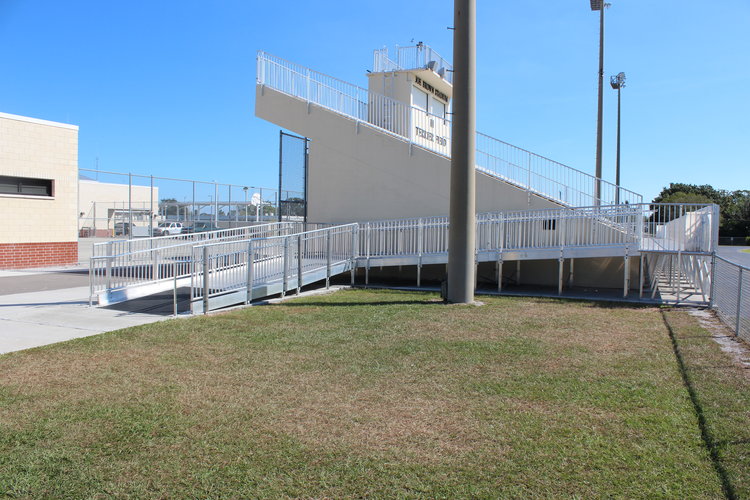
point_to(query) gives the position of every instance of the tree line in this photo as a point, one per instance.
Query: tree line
(734, 206)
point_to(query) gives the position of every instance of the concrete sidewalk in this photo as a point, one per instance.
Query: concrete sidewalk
(37, 318)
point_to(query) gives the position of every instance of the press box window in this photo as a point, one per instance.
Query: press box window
(26, 186)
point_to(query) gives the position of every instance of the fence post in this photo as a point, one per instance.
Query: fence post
(285, 270)
(206, 288)
(328, 258)
(711, 302)
(250, 263)
(739, 304)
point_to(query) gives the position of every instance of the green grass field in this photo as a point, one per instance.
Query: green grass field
(379, 394)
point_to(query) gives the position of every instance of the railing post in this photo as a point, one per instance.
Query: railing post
(354, 259)
(285, 266)
(308, 88)
(420, 236)
(91, 281)
(250, 264)
(328, 259)
(109, 272)
(739, 304)
(155, 271)
(679, 275)
(206, 288)
(174, 293)
(711, 302)
(299, 264)
(528, 179)
(368, 236)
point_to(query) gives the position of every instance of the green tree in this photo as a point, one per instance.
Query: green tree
(168, 206)
(734, 206)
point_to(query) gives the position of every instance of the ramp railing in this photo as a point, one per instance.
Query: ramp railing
(274, 264)
(531, 172)
(123, 246)
(118, 265)
(276, 260)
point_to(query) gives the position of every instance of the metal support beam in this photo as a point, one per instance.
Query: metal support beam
(641, 276)
(500, 274)
(626, 281)
(462, 235)
(560, 267)
(571, 276)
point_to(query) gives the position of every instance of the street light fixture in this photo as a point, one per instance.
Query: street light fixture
(600, 6)
(617, 82)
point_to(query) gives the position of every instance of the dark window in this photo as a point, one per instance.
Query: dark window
(549, 224)
(24, 185)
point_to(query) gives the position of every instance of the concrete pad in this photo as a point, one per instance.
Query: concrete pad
(39, 318)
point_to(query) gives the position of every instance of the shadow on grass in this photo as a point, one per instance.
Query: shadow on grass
(374, 303)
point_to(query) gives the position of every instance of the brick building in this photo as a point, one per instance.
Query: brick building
(38, 192)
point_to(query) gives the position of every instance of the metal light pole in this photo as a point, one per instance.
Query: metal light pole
(600, 6)
(462, 234)
(617, 82)
(245, 190)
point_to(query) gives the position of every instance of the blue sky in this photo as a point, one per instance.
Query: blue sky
(167, 87)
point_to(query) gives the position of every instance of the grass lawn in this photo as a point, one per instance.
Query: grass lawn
(377, 393)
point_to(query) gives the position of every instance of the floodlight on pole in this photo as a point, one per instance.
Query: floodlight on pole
(617, 82)
(600, 6)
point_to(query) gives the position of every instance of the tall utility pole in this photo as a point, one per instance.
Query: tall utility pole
(462, 234)
(600, 6)
(617, 82)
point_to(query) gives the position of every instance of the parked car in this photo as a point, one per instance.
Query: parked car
(200, 227)
(168, 228)
(122, 228)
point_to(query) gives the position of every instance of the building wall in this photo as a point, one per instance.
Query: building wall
(39, 231)
(358, 173)
(99, 201)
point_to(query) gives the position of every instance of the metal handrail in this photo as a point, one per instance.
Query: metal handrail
(221, 268)
(246, 262)
(123, 266)
(410, 58)
(530, 171)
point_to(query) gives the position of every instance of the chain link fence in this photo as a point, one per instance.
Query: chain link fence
(125, 205)
(730, 296)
